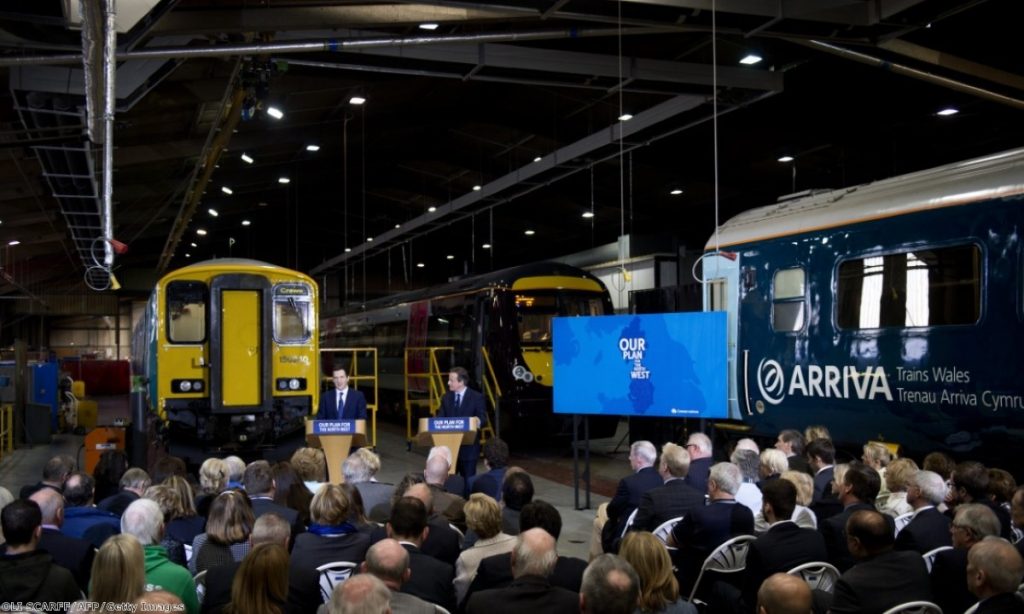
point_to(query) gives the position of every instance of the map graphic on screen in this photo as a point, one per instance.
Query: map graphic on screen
(669, 364)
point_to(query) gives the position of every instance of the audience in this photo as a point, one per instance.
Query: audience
(133, 483)
(213, 480)
(360, 594)
(897, 478)
(533, 559)
(27, 573)
(118, 572)
(55, 471)
(611, 518)
(610, 586)
(170, 504)
(74, 554)
(185, 523)
(236, 468)
(517, 491)
(449, 505)
(431, 579)
(972, 523)
(857, 491)
(698, 445)
(928, 529)
(495, 454)
(360, 469)
(784, 594)
(969, 484)
(108, 472)
(81, 517)
(772, 465)
(749, 463)
(483, 516)
(388, 561)
(291, 492)
(791, 443)
(675, 497)
(331, 537)
(821, 457)
(144, 521)
(659, 589)
(994, 571)
(227, 532)
(310, 465)
(261, 582)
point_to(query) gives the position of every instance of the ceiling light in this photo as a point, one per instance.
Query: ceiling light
(262, 204)
(625, 117)
(676, 192)
(247, 158)
(397, 226)
(275, 112)
(420, 265)
(227, 190)
(200, 232)
(450, 257)
(428, 26)
(246, 223)
(486, 246)
(188, 255)
(369, 239)
(750, 59)
(14, 242)
(212, 212)
(193, 245)
(348, 249)
(312, 148)
(356, 100)
(431, 209)
(948, 111)
(588, 214)
(476, 188)
(786, 159)
(529, 233)
(283, 180)
(537, 159)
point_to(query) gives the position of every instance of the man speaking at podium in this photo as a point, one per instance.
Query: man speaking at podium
(351, 401)
(464, 402)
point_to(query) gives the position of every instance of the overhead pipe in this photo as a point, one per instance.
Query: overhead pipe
(109, 70)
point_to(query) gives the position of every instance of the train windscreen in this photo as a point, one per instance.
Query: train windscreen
(534, 311)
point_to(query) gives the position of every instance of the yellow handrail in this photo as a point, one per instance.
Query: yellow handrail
(6, 429)
(355, 377)
(493, 392)
(435, 380)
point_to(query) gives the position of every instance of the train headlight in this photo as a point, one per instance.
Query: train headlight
(197, 386)
(294, 384)
(185, 386)
(282, 384)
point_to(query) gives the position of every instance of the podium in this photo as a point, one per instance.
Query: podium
(336, 438)
(451, 432)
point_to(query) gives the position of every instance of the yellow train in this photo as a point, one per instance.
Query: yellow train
(229, 352)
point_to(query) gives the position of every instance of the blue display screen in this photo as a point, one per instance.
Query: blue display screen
(669, 364)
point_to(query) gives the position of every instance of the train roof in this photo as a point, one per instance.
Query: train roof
(495, 279)
(234, 263)
(996, 176)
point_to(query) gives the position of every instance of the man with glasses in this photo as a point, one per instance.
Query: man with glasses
(928, 529)
(969, 484)
(699, 447)
(972, 523)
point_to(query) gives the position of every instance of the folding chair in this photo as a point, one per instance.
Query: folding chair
(902, 521)
(200, 580)
(915, 607)
(929, 557)
(629, 523)
(665, 529)
(817, 574)
(730, 557)
(333, 574)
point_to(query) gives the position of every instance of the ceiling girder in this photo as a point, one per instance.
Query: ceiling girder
(849, 12)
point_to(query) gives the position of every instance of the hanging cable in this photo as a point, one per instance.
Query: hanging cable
(622, 177)
(362, 145)
(714, 105)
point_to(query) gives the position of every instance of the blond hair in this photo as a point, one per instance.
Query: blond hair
(483, 515)
(213, 476)
(310, 464)
(804, 486)
(118, 571)
(330, 505)
(675, 459)
(899, 473)
(658, 585)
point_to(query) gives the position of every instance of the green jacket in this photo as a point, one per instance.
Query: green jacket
(162, 574)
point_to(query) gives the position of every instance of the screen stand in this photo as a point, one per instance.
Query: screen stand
(576, 418)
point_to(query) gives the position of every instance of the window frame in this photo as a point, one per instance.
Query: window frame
(306, 298)
(206, 311)
(790, 300)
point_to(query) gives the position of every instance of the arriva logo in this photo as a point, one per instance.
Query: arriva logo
(828, 381)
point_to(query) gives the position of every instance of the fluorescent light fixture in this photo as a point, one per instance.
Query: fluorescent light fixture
(751, 59)
(529, 233)
(247, 158)
(948, 111)
(262, 204)
(625, 117)
(193, 245)
(246, 223)
(283, 180)
(357, 100)
(486, 246)
(200, 232)
(588, 214)
(450, 257)
(369, 239)
(14, 242)
(227, 190)
(676, 192)
(312, 148)
(275, 112)
(428, 26)
(348, 249)
(431, 209)
(537, 159)
(420, 265)
(477, 188)
(786, 159)
(212, 212)
(188, 255)
(397, 226)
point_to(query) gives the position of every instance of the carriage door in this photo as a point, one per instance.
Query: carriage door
(240, 344)
(721, 293)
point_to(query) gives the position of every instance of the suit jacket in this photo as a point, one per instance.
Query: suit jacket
(91, 524)
(262, 506)
(697, 476)
(784, 546)
(376, 499)
(874, 585)
(928, 530)
(431, 579)
(455, 484)
(834, 531)
(472, 405)
(799, 463)
(118, 502)
(1007, 603)
(702, 530)
(312, 551)
(823, 485)
(949, 581)
(449, 505)
(443, 542)
(469, 560)
(71, 553)
(629, 491)
(404, 603)
(525, 594)
(488, 483)
(496, 572)
(303, 589)
(674, 498)
(355, 405)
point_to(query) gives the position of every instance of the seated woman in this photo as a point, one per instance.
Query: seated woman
(291, 492)
(897, 476)
(261, 582)
(227, 532)
(213, 480)
(170, 504)
(331, 536)
(118, 575)
(483, 517)
(186, 522)
(659, 589)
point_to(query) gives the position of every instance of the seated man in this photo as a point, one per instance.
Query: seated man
(674, 498)
(784, 594)
(55, 471)
(928, 528)
(133, 483)
(972, 523)
(144, 520)
(28, 574)
(446, 502)
(72, 553)
(994, 571)
(83, 519)
(359, 469)
(610, 586)
(516, 492)
(496, 461)
(389, 562)
(611, 517)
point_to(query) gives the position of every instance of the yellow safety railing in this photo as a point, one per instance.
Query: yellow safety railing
(492, 390)
(6, 429)
(363, 367)
(433, 376)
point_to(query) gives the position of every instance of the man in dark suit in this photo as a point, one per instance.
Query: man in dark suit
(821, 455)
(461, 402)
(609, 525)
(971, 524)
(71, 553)
(55, 471)
(496, 461)
(360, 469)
(969, 484)
(133, 483)
(258, 480)
(883, 577)
(994, 571)
(929, 528)
(533, 560)
(496, 571)
(698, 445)
(351, 401)
(610, 586)
(672, 499)
(791, 443)
(431, 579)
(857, 492)
(388, 561)
(82, 519)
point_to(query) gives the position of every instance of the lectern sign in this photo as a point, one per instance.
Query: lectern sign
(441, 425)
(334, 427)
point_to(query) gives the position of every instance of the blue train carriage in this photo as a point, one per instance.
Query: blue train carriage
(230, 351)
(888, 311)
(508, 313)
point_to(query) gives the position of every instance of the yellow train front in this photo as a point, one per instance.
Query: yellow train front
(229, 349)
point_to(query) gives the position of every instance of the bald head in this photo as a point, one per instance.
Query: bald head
(784, 594)
(534, 554)
(389, 561)
(51, 504)
(421, 492)
(994, 567)
(360, 594)
(436, 471)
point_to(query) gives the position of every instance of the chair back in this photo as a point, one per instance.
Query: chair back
(929, 557)
(333, 574)
(629, 523)
(818, 575)
(915, 607)
(902, 521)
(188, 552)
(730, 557)
(200, 580)
(972, 609)
(665, 529)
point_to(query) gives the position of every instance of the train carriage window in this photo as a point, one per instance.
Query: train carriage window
(788, 300)
(186, 311)
(926, 287)
(292, 313)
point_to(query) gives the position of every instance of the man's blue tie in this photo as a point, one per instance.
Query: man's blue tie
(458, 401)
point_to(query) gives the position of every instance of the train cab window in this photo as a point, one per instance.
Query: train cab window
(186, 311)
(291, 313)
(788, 302)
(926, 287)
(534, 312)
